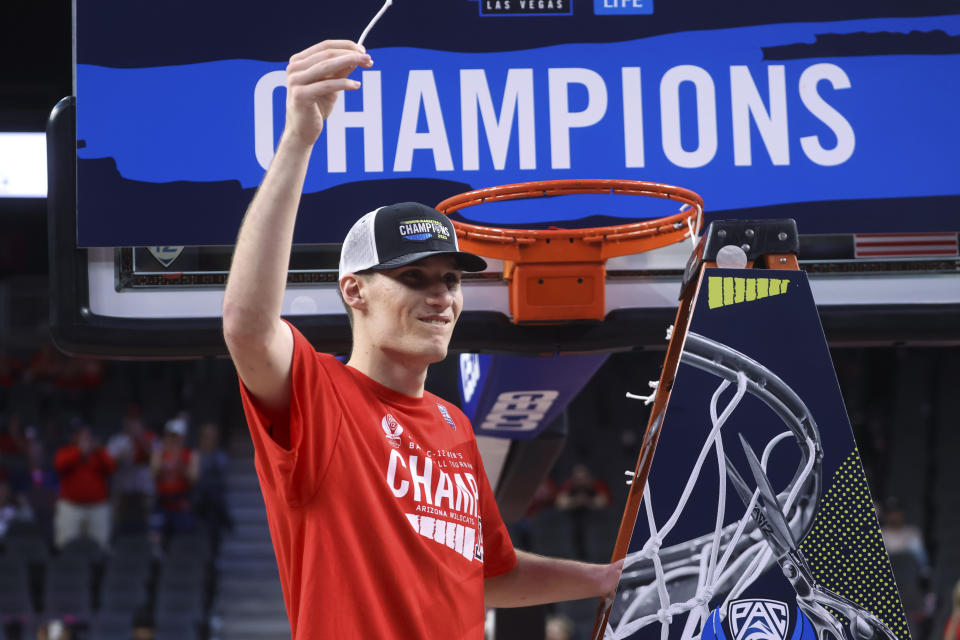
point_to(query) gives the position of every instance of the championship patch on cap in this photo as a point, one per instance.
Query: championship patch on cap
(400, 234)
(422, 230)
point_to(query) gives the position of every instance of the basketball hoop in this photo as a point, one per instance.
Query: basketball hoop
(558, 275)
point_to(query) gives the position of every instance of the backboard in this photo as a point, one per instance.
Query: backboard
(766, 111)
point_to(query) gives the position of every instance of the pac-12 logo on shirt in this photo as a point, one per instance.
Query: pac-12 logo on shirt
(393, 430)
(446, 416)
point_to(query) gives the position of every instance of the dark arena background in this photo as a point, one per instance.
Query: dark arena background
(132, 137)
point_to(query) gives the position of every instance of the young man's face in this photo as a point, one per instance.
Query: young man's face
(411, 310)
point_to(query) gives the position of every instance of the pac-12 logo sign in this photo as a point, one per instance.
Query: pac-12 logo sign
(165, 255)
(758, 619)
(469, 374)
(393, 430)
(519, 410)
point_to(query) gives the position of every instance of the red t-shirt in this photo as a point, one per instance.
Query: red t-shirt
(142, 447)
(83, 479)
(172, 483)
(381, 515)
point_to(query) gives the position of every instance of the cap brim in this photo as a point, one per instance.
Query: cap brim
(465, 261)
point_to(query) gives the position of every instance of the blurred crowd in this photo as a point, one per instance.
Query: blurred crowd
(73, 477)
(135, 482)
(113, 497)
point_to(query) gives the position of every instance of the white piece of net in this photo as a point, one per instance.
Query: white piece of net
(373, 21)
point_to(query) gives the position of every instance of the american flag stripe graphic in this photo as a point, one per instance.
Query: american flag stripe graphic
(903, 245)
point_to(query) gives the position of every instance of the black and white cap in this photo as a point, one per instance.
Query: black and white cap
(398, 234)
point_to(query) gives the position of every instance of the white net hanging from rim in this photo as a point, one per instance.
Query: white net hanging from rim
(664, 585)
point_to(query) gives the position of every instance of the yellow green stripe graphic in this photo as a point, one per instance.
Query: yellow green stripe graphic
(724, 291)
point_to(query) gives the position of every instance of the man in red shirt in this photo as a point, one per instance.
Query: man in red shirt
(84, 468)
(174, 467)
(381, 515)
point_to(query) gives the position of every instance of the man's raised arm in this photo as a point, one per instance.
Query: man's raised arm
(260, 344)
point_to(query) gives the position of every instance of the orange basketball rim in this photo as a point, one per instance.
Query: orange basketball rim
(558, 275)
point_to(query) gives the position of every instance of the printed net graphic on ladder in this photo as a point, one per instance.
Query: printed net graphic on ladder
(683, 582)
